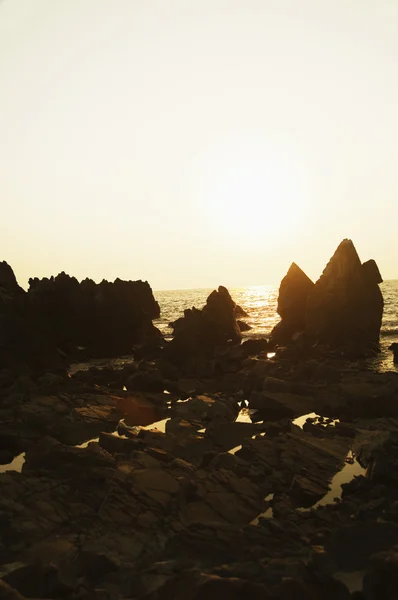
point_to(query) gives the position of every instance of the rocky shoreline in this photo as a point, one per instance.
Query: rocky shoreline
(193, 471)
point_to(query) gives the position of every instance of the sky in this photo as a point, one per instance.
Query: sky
(197, 143)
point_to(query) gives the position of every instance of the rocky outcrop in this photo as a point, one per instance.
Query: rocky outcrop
(106, 319)
(343, 310)
(22, 340)
(345, 307)
(292, 302)
(60, 315)
(199, 332)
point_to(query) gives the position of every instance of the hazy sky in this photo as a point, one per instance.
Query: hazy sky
(197, 142)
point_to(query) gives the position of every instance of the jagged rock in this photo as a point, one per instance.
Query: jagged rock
(199, 332)
(343, 309)
(22, 339)
(346, 305)
(106, 319)
(292, 302)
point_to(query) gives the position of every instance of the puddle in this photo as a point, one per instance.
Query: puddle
(166, 392)
(244, 415)
(115, 433)
(182, 401)
(160, 425)
(300, 421)
(234, 450)
(271, 354)
(15, 465)
(124, 389)
(101, 363)
(267, 514)
(351, 469)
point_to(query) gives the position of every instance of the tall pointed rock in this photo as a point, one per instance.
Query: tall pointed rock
(345, 307)
(292, 302)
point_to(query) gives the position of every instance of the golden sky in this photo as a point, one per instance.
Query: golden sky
(197, 143)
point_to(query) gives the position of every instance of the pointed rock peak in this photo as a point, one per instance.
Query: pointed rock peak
(344, 261)
(8, 281)
(296, 272)
(371, 271)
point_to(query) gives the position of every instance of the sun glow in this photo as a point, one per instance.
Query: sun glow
(251, 190)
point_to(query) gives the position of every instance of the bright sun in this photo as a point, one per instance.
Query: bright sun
(254, 193)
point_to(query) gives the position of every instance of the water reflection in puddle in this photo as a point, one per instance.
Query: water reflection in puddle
(15, 465)
(351, 469)
(267, 514)
(159, 425)
(300, 421)
(234, 450)
(244, 415)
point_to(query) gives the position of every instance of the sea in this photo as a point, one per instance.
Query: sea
(260, 302)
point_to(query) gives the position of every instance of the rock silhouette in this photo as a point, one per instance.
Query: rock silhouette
(343, 309)
(199, 332)
(106, 318)
(59, 313)
(292, 302)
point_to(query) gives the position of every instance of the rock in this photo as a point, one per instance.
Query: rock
(273, 384)
(36, 581)
(151, 381)
(353, 544)
(227, 435)
(240, 312)
(394, 348)
(255, 346)
(243, 326)
(48, 454)
(277, 405)
(8, 281)
(22, 339)
(206, 407)
(182, 427)
(381, 577)
(294, 291)
(107, 319)
(345, 307)
(9, 593)
(199, 332)
(137, 410)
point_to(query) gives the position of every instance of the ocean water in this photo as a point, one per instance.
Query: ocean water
(260, 303)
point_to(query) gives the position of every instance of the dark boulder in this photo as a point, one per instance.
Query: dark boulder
(243, 326)
(345, 307)
(199, 332)
(394, 349)
(292, 302)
